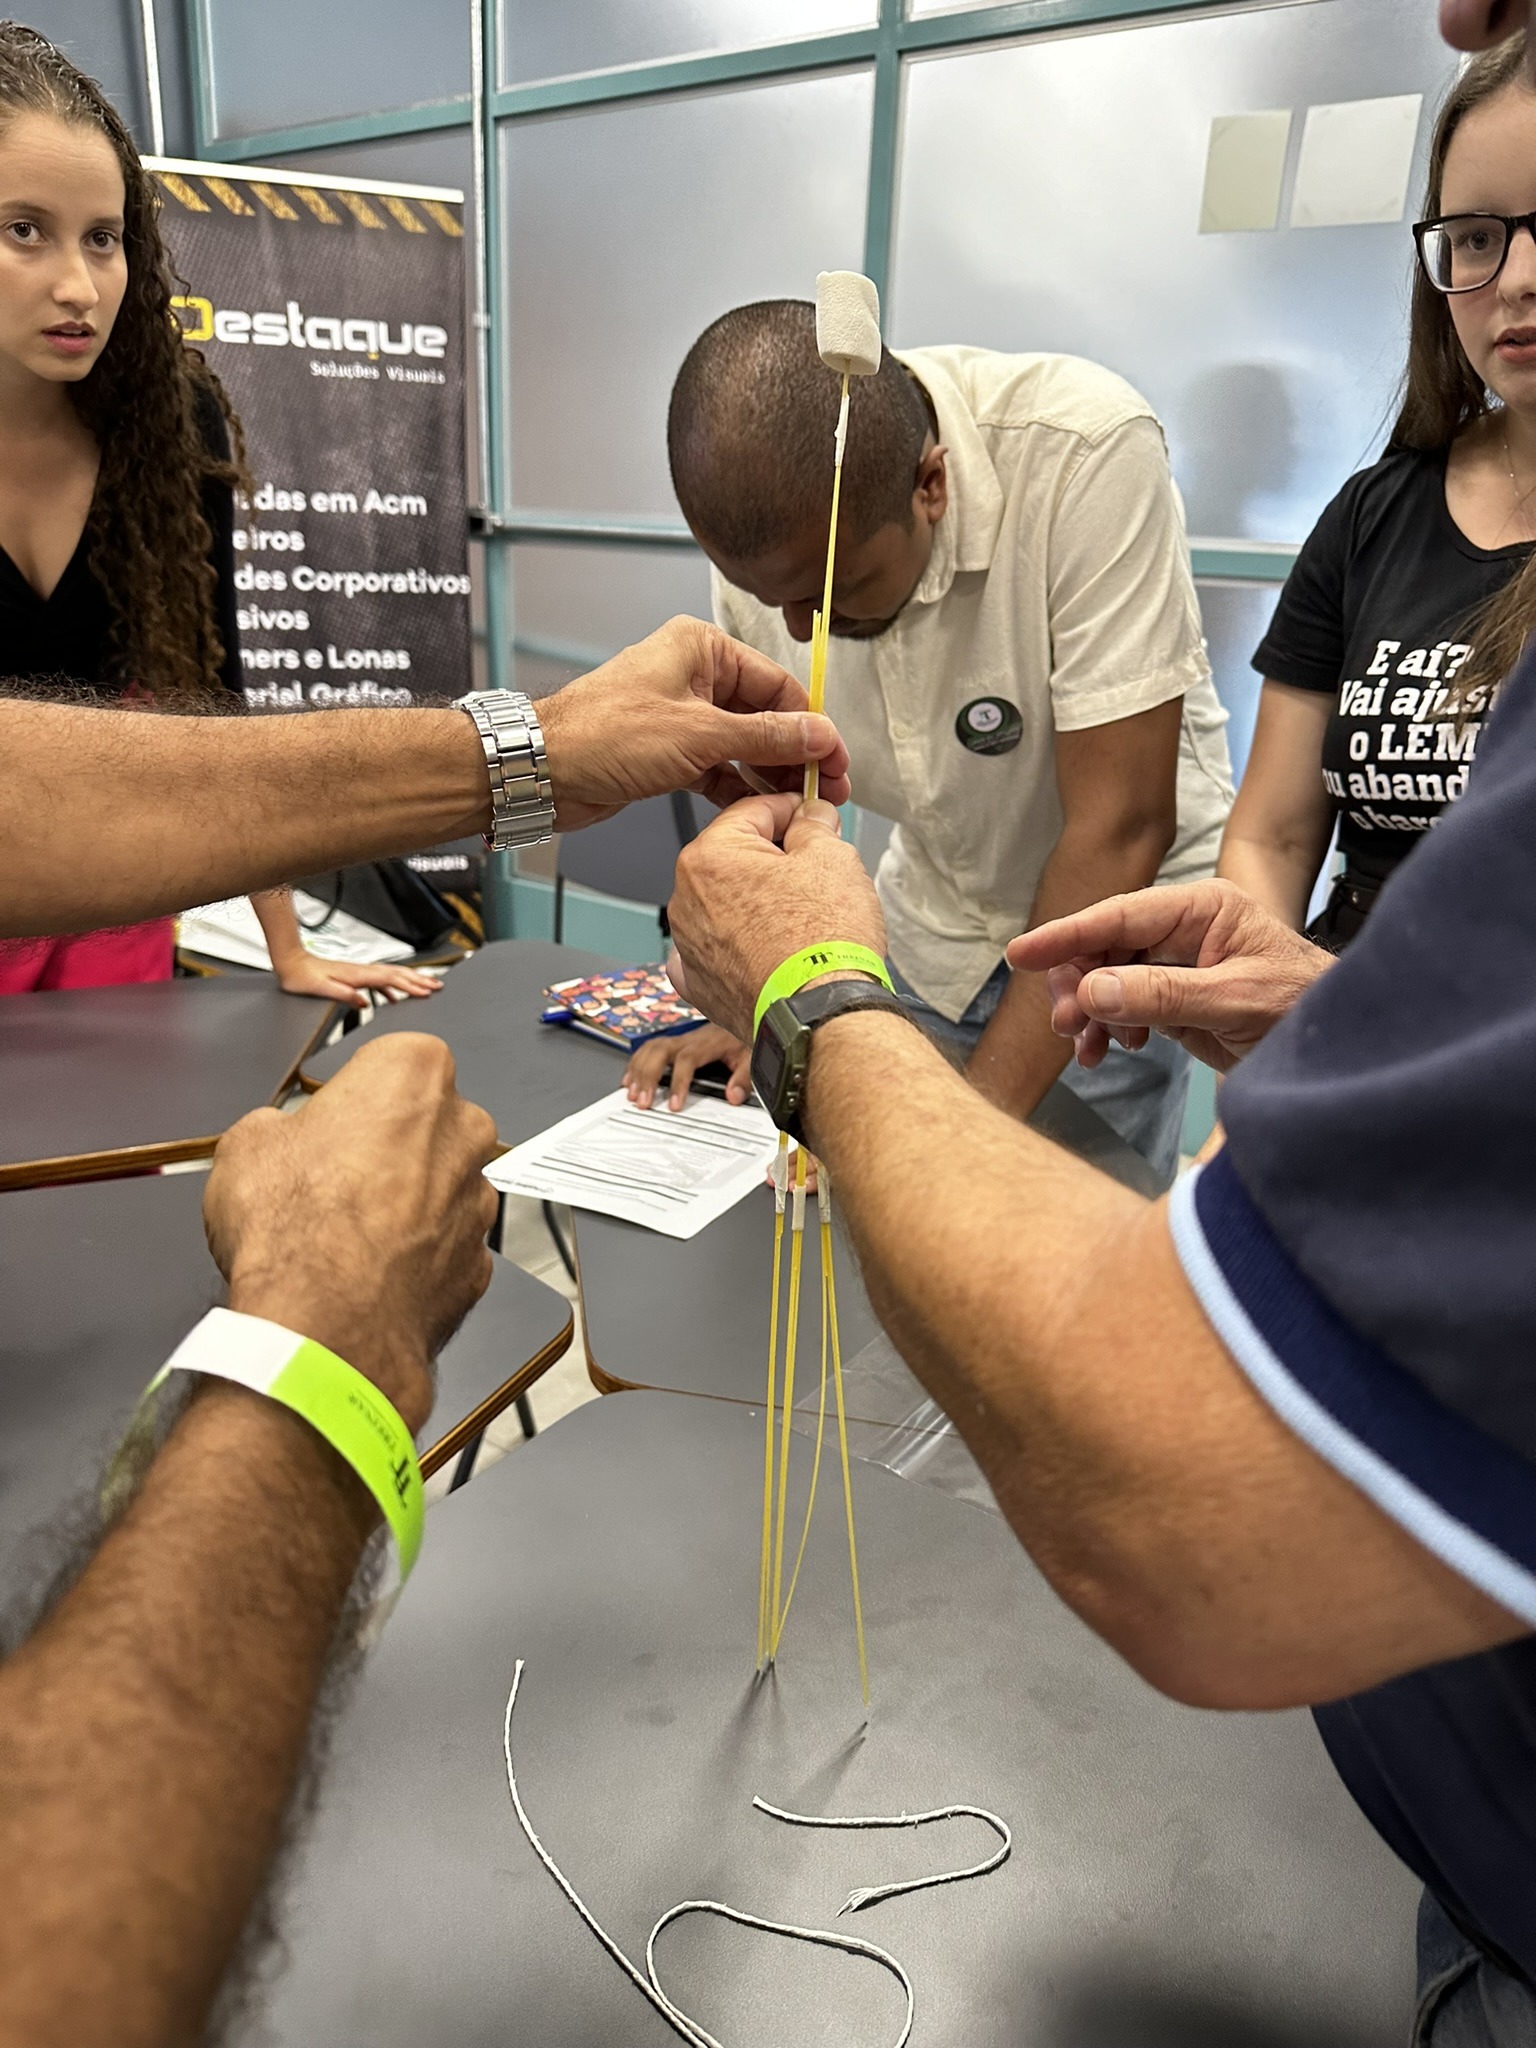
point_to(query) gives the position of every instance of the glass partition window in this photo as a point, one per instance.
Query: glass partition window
(541, 40)
(282, 63)
(1051, 198)
(105, 41)
(578, 605)
(628, 230)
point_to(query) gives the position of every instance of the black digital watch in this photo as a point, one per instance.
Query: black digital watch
(781, 1052)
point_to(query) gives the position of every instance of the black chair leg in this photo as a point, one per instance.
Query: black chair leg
(525, 1417)
(464, 1470)
(558, 1235)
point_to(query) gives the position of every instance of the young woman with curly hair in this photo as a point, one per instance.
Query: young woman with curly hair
(119, 460)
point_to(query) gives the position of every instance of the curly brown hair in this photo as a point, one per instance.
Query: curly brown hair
(149, 540)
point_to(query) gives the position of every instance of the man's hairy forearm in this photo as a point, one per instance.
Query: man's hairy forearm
(152, 1729)
(978, 1320)
(1044, 1309)
(108, 817)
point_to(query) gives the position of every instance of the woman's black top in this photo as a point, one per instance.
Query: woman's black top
(66, 636)
(1375, 614)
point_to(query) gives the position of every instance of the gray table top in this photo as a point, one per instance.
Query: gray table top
(98, 1284)
(691, 1316)
(526, 1074)
(686, 1317)
(517, 1319)
(529, 1074)
(106, 1069)
(1177, 1877)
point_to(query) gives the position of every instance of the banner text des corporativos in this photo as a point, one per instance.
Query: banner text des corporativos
(335, 322)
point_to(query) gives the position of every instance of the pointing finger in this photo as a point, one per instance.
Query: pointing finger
(1153, 995)
(1175, 919)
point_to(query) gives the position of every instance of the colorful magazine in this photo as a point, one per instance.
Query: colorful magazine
(624, 1008)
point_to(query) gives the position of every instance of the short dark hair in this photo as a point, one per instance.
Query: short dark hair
(750, 430)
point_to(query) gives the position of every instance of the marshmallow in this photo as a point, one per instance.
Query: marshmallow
(848, 323)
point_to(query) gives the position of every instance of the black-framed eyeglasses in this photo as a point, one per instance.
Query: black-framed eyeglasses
(1461, 252)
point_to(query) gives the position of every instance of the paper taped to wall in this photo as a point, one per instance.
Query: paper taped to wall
(670, 1171)
(1244, 167)
(1356, 157)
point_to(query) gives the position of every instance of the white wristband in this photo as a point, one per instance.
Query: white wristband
(349, 1411)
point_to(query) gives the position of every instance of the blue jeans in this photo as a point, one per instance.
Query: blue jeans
(1466, 2001)
(1140, 1095)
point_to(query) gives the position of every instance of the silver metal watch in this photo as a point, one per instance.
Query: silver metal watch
(522, 800)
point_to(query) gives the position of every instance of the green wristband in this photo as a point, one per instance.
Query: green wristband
(335, 1399)
(836, 956)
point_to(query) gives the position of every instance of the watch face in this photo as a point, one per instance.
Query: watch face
(768, 1068)
(779, 1057)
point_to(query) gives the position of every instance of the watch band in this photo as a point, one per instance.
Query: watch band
(832, 956)
(353, 1416)
(782, 1046)
(813, 1006)
(522, 799)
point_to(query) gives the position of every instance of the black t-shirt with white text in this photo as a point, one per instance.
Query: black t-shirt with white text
(1375, 613)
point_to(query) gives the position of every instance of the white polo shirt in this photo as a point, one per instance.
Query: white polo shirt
(1058, 596)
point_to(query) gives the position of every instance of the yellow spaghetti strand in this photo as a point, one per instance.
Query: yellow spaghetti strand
(842, 1444)
(818, 696)
(791, 1345)
(772, 1616)
(837, 492)
(810, 1502)
(821, 624)
(764, 1619)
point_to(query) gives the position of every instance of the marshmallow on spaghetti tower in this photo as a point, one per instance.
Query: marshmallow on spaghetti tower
(848, 323)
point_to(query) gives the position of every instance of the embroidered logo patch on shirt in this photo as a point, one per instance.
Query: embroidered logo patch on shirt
(989, 725)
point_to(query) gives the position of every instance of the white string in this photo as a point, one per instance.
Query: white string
(690, 2029)
(871, 1895)
(649, 1984)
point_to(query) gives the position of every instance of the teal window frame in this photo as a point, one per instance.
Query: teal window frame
(883, 48)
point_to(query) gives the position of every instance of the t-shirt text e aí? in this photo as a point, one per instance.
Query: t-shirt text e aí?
(1379, 612)
(1393, 757)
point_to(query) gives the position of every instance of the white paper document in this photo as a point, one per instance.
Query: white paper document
(231, 931)
(672, 1172)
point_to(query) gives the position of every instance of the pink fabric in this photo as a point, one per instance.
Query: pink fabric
(134, 952)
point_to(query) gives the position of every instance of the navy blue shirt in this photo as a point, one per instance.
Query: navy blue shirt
(1366, 1247)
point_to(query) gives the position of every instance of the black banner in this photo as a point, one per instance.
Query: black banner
(335, 320)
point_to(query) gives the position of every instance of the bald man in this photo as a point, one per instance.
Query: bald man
(1020, 673)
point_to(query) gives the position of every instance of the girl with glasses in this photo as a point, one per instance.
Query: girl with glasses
(1415, 590)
